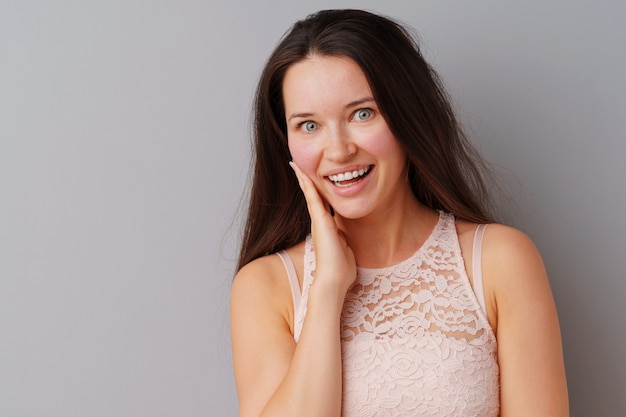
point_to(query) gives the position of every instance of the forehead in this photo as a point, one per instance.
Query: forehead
(323, 81)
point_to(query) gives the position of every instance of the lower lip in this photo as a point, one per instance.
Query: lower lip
(353, 188)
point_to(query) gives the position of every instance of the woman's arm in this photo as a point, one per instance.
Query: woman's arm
(276, 377)
(532, 374)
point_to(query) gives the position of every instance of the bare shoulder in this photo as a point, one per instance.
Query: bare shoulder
(516, 276)
(258, 274)
(509, 254)
(262, 288)
(512, 268)
(507, 237)
(260, 284)
(501, 242)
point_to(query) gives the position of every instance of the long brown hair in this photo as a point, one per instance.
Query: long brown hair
(444, 170)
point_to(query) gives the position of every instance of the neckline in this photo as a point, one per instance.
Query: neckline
(432, 235)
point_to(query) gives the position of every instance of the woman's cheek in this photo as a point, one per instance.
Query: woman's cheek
(305, 158)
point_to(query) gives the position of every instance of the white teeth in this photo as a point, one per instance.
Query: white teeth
(349, 175)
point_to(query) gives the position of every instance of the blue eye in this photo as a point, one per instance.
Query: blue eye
(363, 114)
(309, 126)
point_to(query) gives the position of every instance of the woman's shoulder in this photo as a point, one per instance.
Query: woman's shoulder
(510, 263)
(261, 295)
(500, 241)
(264, 280)
(266, 266)
(507, 247)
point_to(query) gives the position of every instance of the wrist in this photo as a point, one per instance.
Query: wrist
(327, 294)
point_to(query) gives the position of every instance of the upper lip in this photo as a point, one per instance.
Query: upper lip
(343, 170)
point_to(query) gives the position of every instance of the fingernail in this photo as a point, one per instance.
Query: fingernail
(295, 171)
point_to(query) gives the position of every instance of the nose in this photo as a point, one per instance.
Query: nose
(339, 145)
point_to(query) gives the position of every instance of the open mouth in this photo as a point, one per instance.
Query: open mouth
(348, 178)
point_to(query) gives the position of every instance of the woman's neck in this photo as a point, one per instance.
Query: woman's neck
(390, 236)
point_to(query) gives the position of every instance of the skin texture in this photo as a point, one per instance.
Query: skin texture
(334, 126)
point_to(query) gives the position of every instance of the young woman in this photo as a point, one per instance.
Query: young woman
(379, 290)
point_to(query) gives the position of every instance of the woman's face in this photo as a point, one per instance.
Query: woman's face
(339, 138)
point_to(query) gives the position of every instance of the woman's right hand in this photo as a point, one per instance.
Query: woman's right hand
(334, 259)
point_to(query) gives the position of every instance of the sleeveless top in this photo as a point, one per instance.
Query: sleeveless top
(415, 336)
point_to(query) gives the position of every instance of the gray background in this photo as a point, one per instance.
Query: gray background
(124, 146)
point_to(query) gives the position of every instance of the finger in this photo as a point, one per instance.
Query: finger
(315, 203)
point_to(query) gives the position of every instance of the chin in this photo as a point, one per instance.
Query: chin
(352, 213)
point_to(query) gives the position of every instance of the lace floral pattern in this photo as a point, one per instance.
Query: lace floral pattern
(415, 340)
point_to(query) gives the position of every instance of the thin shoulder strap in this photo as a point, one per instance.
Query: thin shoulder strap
(296, 295)
(477, 269)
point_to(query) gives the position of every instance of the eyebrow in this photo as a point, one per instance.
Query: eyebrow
(347, 106)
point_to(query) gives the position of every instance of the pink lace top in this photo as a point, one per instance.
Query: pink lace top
(415, 336)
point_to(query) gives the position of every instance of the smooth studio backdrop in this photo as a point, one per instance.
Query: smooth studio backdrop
(124, 149)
